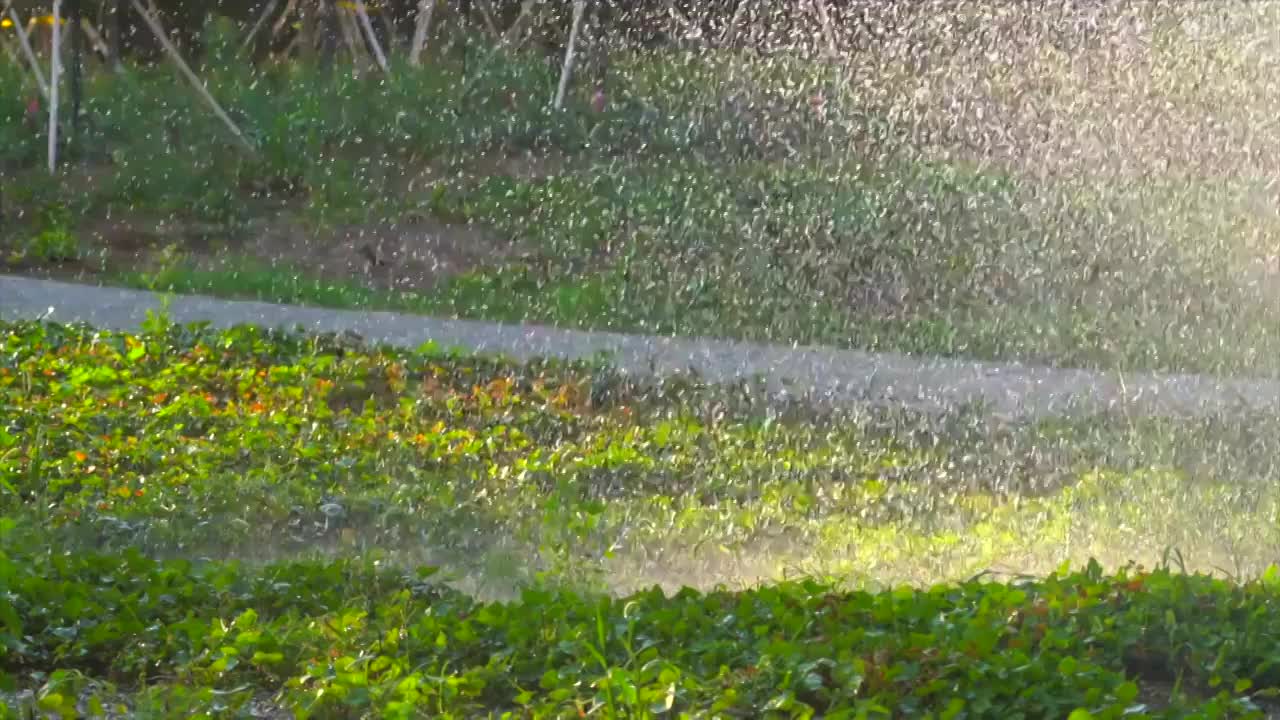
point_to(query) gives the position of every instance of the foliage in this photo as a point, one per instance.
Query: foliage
(151, 482)
(53, 241)
(721, 192)
(179, 506)
(346, 639)
(189, 439)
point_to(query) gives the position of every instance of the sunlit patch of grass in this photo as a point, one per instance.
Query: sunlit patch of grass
(243, 279)
(502, 295)
(470, 463)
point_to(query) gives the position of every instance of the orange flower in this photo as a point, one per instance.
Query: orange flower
(79, 456)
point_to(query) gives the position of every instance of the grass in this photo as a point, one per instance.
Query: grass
(1124, 225)
(194, 520)
(510, 295)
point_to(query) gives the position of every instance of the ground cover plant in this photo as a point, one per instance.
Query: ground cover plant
(350, 640)
(231, 523)
(1085, 184)
(219, 520)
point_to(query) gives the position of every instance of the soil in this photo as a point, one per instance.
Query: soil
(415, 254)
(411, 253)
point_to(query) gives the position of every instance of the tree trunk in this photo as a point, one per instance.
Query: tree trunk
(74, 13)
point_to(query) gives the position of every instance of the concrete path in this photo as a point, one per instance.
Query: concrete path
(818, 374)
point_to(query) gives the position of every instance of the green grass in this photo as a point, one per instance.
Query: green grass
(191, 520)
(512, 295)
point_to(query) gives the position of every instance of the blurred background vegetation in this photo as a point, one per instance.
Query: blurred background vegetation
(1074, 183)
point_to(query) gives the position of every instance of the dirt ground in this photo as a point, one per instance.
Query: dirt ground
(413, 252)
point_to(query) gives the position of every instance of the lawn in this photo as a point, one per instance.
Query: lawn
(1095, 194)
(195, 519)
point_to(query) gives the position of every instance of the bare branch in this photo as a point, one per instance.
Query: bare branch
(378, 55)
(262, 18)
(579, 7)
(25, 42)
(421, 28)
(487, 14)
(99, 45)
(349, 33)
(158, 30)
(516, 29)
(289, 8)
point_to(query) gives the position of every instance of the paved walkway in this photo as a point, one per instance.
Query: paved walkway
(815, 373)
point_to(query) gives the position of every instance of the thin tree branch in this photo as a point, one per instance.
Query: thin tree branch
(349, 32)
(485, 12)
(253, 32)
(421, 28)
(158, 30)
(289, 8)
(378, 55)
(25, 42)
(99, 45)
(579, 8)
(516, 29)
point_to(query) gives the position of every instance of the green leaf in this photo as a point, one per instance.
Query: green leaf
(267, 658)
(1127, 692)
(1271, 577)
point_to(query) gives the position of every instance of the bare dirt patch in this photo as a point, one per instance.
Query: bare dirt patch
(412, 253)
